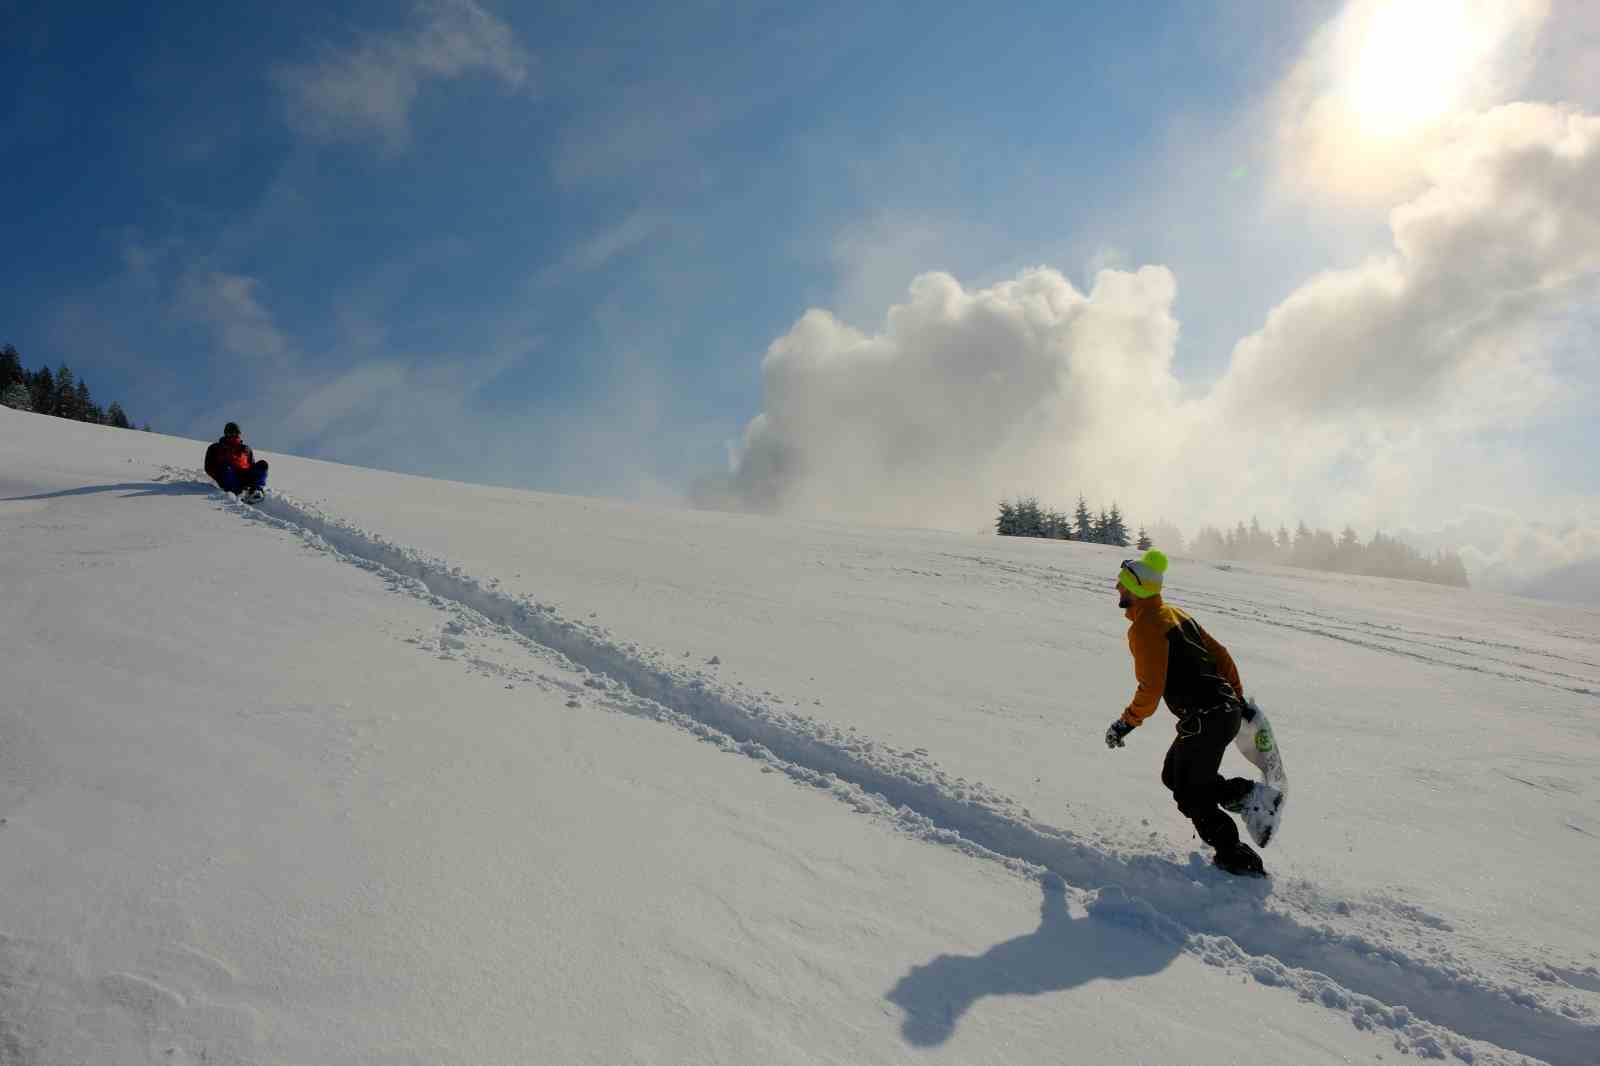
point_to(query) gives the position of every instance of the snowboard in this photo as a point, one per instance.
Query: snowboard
(1263, 808)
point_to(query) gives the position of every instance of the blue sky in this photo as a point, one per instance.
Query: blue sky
(549, 246)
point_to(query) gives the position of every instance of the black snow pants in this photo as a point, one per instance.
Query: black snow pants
(1190, 772)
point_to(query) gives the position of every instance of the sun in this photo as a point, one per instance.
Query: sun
(1411, 65)
(1385, 84)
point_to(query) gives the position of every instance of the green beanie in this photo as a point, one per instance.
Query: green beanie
(1142, 577)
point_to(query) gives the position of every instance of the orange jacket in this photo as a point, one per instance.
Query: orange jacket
(1176, 659)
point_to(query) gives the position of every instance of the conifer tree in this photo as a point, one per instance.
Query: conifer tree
(88, 410)
(44, 391)
(1030, 521)
(66, 395)
(1116, 530)
(1083, 524)
(11, 372)
(1006, 524)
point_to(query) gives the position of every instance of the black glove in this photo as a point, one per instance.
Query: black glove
(1118, 730)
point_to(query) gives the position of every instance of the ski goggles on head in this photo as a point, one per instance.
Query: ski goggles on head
(1145, 581)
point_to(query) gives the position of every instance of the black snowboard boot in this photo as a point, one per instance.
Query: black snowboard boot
(1237, 790)
(1241, 860)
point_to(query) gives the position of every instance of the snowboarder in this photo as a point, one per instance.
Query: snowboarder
(233, 466)
(1174, 658)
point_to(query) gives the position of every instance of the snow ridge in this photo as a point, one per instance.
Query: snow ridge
(1226, 922)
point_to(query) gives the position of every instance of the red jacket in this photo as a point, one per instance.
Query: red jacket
(226, 453)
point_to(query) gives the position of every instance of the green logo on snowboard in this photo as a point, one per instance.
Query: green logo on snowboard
(1263, 740)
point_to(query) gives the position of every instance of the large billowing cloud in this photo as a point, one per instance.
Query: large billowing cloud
(961, 396)
(1511, 221)
(1360, 390)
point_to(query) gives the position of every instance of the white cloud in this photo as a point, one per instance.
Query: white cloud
(962, 396)
(1361, 399)
(1567, 67)
(1511, 219)
(1516, 552)
(365, 90)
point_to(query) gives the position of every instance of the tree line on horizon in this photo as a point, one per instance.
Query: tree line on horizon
(61, 393)
(1305, 548)
(1024, 517)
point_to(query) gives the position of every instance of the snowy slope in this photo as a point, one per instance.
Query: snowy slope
(398, 770)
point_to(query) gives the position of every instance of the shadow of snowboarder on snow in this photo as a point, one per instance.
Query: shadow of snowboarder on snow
(1116, 942)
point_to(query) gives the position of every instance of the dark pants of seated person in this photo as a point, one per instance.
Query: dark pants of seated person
(236, 481)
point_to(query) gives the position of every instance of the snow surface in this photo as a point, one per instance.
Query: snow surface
(392, 770)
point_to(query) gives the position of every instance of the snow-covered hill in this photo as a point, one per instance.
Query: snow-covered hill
(396, 770)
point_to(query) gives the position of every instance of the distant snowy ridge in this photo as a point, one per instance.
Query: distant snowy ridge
(1360, 970)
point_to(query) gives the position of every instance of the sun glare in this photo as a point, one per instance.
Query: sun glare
(1411, 65)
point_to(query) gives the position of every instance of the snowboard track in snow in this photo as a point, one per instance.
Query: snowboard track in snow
(1512, 662)
(1431, 1009)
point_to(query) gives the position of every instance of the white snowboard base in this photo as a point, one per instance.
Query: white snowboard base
(1263, 808)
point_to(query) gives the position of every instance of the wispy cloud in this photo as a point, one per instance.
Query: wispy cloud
(363, 90)
(229, 308)
(606, 245)
(600, 248)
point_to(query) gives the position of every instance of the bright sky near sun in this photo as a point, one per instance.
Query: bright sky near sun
(1320, 261)
(1396, 86)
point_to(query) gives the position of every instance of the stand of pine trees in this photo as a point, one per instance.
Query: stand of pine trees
(1306, 548)
(60, 394)
(1025, 518)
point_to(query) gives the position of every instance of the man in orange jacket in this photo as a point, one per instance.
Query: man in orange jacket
(233, 466)
(1175, 659)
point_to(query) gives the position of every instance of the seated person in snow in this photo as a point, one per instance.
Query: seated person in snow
(233, 466)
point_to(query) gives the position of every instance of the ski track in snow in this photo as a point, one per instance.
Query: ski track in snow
(1387, 639)
(1281, 934)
